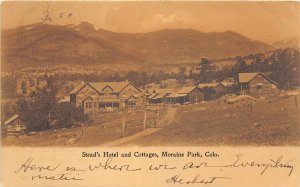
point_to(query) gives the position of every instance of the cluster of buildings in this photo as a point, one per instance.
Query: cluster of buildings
(96, 96)
(182, 95)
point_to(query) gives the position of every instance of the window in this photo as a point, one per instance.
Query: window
(88, 105)
(101, 105)
(259, 86)
(109, 104)
(130, 103)
(116, 105)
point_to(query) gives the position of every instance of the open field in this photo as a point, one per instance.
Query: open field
(272, 122)
(103, 128)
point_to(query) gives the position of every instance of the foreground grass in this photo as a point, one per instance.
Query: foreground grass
(272, 122)
(103, 128)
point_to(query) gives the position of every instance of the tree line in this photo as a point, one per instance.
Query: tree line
(42, 110)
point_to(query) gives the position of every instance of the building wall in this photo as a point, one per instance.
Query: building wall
(195, 96)
(109, 98)
(16, 127)
(260, 86)
(85, 92)
(129, 91)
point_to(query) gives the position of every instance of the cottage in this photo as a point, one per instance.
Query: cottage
(220, 87)
(257, 84)
(15, 125)
(189, 94)
(94, 96)
(159, 95)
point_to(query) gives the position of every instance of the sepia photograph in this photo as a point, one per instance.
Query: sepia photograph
(150, 93)
(150, 73)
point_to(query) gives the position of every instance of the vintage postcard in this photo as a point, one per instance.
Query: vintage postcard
(150, 93)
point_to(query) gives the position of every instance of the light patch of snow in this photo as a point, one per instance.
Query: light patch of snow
(74, 25)
(77, 29)
(96, 28)
(28, 28)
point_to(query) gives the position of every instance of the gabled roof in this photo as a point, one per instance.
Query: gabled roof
(78, 88)
(160, 96)
(116, 87)
(151, 96)
(247, 77)
(131, 96)
(107, 86)
(12, 119)
(214, 84)
(186, 90)
(88, 97)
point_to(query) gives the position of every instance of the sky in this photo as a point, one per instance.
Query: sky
(265, 21)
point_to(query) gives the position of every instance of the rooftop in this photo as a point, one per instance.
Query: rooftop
(246, 77)
(99, 86)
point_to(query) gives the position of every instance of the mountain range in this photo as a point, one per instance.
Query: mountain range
(288, 43)
(84, 43)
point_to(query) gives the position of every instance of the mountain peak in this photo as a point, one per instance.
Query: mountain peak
(86, 26)
(231, 32)
(84, 42)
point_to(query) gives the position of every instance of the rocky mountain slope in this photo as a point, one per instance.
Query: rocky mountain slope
(85, 43)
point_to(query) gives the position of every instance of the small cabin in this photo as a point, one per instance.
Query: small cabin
(257, 85)
(159, 95)
(15, 126)
(220, 89)
(189, 94)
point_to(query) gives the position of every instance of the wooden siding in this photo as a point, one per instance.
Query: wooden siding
(195, 96)
(105, 98)
(16, 127)
(220, 88)
(260, 86)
